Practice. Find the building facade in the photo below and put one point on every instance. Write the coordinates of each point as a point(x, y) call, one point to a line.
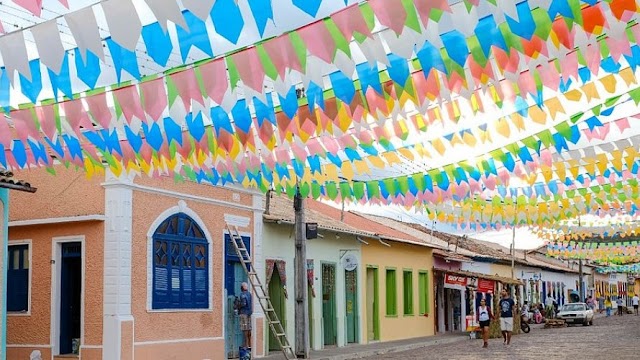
point(117, 268)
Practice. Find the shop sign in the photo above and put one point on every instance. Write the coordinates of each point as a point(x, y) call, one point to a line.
point(455, 280)
point(486, 286)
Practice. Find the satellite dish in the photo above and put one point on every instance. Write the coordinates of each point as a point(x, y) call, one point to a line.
point(350, 262)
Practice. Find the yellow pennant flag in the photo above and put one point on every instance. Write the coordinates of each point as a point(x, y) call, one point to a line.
point(609, 82)
point(617, 159)
point(628, 76)
point(361, 167)
point(603, 163)
point(376, 161)
point(347, 170)
point(438, 145)
point(537, 115)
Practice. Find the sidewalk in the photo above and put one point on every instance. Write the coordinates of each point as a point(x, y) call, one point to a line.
point(378, 348)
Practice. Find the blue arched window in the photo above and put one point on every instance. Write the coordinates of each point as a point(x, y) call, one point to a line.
point(180, 265)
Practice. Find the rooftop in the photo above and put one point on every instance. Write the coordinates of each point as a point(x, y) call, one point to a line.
point(7, 182)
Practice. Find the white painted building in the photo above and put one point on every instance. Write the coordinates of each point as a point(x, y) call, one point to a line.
point(333, 310)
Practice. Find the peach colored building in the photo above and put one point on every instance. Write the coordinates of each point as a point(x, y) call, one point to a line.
point(119, 268)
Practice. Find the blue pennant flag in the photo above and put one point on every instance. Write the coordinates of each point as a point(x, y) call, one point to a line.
point(444, 181)
point(456, 46)
point(508, 161)
point(32, 88)
point(173, 131)
point(585, 74)
point(593, 122)
point(314, 164)
point(526, 27)
point(489, 35)
point(39, 151)
point(289, 104)
point(264, 111)
point(560, 142)
point(5, 90)
point(369, 77)
point(62, 80)
point(429, 58)
point(241, 115)
point(57, 146)
point(398, 69)
point(315, 95)
point(560, 7)
point(220, 120)
point(123, 59)
point(158, 43)
point(524, 155)
point(227, 19)
point(311, 7)
point(610, 65)
point(135, 140)
point(343, 86)
point(195, 125)
point(262, 12)
point(196, 35)
point(88, 70)
point(19, 153)
point(153, 135)
point(75, 150)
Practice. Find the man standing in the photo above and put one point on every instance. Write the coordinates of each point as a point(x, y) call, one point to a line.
point(634, 301)
point(619, 302)
point(507, 306)
point(245, 309)
point(549, 302)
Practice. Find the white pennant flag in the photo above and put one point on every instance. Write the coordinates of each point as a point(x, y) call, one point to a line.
point(50, 49)
point(84, 28)
point(124, 24)
point(167, 10)
point(199, 8)
point(14, 54)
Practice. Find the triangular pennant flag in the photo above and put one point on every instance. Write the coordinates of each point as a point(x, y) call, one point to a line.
point(200, 8)
point(33, 6)
point(25, 124)
point(283, 54)
point(14, 55)
point(158, 43)
point(262, 12)
point(188, 89)
point(84, 28)
point(99, 109)
point(250, 68)
point(124, 22)
point(47, 118)
point(123, 59)
point(194, 35)
point(214, 78)
point(50, 49)
point(350, 20)
point(166, 10)
point(390, 13)
point(227, 19)
point(319, 41)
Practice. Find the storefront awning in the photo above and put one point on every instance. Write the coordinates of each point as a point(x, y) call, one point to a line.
point(504, 280)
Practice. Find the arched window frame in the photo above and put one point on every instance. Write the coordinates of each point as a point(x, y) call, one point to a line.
point(154, 302)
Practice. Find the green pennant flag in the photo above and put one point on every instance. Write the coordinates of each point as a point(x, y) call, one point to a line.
point(291, 190)
point(345, 190)
point(390, 184)
point(331, 190)
point(476, 51)
point(546, 138)
point(564, 129)
point(304, 189)
point(543, 23)
point(418, 180)
point(234, 75)
point(315, 190)
point(269, 69)
point(373, 189)
point(403, 185)
point(512, 40)
point(412, 22)
point(358, 190)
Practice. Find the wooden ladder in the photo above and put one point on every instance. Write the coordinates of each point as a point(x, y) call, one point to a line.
point(263, 297)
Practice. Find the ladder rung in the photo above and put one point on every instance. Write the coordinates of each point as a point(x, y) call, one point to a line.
point(280, 334)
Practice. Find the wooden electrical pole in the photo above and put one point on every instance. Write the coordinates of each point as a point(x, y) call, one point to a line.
point(300, 263)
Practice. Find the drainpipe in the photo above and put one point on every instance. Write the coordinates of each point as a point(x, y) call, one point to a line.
point(267, 203)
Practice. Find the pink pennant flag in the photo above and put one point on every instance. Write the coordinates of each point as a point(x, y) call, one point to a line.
point(129, 101)
point(2, 31)
point(626, 175)
point(47, 121)
point(250, 68)
point(593, 58)
point(314, 147)
point(214, 77)
point(25, 124)
point(188, 89)
point(33, 6)
point(390, 13)
point(155, 98)
point(569, 65)
point(424, 8)
point(268, 159)
point(490, 182)
point(350, 20)
point(5, 133)
point(618, 47)
point(526, 83)
point(330, 144)
point(99, 109)
point(76, 116)
point(545, 157)
point(589, 134)
point(299, 152)
point(319, 41)
point(603, 131)
point(283, 55)
point(64, 3)
point(623, 124)
point(504, 176)
point(549, 76)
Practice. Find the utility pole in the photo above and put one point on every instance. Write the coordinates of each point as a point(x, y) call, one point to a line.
point(580, 272)
point(513, 241)
point(300, 263)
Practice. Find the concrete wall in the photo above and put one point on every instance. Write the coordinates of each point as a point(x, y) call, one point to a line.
point(400, 256)
point(279, 244)
point(4, 212)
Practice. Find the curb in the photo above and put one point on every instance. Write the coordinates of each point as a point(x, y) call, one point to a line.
point(391, 350)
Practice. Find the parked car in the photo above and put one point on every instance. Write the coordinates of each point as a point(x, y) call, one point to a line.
point(576, 313)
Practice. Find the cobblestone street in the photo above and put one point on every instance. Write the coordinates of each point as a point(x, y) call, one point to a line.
point(609, 338)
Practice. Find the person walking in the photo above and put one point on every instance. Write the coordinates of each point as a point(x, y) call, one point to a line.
point(608, 305)
point(507, 308)
point(550, 310)
point(634, 301)
point(484, 318)
point(619, 302)
point(245, 309)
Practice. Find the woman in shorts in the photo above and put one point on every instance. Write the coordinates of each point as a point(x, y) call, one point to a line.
point(484, 318)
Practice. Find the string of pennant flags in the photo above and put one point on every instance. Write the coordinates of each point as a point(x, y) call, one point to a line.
point(622, 269)
point(619, 253)
point(519, 68)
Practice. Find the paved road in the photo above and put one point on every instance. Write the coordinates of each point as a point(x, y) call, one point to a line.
point(609, 338)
